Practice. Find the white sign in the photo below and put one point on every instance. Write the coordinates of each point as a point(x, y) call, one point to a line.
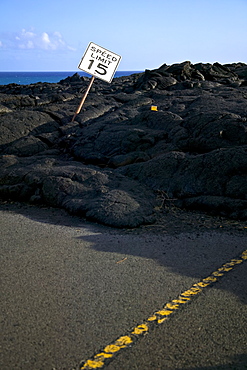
point(99, 62)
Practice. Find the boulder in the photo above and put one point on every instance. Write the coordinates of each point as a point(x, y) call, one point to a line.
point(86, 191)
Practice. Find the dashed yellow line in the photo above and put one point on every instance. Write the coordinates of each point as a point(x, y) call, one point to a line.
point(99, 360)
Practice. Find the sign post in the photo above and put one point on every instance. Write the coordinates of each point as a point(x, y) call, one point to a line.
point(100, 63)
point(83, 99)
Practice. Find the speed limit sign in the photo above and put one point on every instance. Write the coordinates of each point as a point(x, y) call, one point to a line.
point(99, 62)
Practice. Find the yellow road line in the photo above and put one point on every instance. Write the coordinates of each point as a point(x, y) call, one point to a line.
point(99, 360)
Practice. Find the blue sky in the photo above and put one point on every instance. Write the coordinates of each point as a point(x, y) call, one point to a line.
point(52, 35)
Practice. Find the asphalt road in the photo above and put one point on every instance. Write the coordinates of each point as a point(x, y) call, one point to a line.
point(70, 289)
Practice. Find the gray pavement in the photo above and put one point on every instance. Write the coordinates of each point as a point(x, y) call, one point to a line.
point(69, 288)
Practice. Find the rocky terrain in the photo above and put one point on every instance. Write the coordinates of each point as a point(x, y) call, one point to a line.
point(122, 162)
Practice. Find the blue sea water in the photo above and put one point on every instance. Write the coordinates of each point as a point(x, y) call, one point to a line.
point(26, 78)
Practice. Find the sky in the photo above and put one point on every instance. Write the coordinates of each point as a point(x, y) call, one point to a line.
point(52, 35)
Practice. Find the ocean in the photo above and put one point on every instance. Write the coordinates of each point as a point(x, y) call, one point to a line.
point(26, 78)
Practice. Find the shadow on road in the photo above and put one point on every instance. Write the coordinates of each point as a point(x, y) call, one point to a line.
point(194, 252)
point(239, 362)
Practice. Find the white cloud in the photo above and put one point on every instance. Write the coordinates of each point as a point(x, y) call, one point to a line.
point(27, 34)
point(40, 41)
point(46, 42)
point(58, 34)
point(28, 45)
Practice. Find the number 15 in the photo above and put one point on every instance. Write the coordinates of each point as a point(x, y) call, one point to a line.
point(100, 66)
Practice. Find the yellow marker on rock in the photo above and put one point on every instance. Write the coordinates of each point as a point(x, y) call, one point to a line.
point(154, 107)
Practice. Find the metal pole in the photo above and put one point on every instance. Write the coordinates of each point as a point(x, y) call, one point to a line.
point(83, 99)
